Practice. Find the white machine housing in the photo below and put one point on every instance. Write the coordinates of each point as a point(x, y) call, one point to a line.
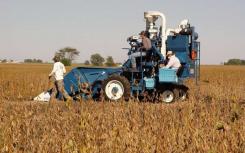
point(151, 17)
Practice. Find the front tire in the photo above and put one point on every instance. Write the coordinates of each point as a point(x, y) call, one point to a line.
point(183, 95)
point(116, 87)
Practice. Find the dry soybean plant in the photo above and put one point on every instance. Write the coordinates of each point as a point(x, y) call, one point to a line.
point(211, 120)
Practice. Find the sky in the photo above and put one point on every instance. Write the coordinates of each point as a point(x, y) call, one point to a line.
point(39, 28)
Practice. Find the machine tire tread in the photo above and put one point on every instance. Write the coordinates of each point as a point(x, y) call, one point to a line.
point(123, 80)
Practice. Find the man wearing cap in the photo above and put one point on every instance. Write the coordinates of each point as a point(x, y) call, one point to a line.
point(173, 61)
point(146, 46)
point(58, 73)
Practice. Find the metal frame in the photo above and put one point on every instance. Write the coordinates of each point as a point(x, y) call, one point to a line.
point(197, 63)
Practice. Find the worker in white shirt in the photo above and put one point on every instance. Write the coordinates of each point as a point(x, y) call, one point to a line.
point(173, 61)
point(58, 73)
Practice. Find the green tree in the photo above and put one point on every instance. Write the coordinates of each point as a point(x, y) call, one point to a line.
point(87, 62)
point(235, 62)
point(4, 61)
point(97, 59)
point(66, 61)
point(27, 60)
point(110, 61)
point(33, 61)
point(67, 55)
point(243, 62)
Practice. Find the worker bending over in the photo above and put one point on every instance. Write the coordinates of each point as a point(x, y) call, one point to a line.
point(58, 73)
point(173, 61)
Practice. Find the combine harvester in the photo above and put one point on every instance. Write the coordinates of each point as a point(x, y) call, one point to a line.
point(149, 82)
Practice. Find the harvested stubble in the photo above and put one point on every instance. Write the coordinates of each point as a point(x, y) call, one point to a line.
point(212, 120)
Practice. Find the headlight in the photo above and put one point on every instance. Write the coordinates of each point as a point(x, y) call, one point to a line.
point(133, 44)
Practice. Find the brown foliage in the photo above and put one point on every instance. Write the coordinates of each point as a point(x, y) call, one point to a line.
point(211, 120)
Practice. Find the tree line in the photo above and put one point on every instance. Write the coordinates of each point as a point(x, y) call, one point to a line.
point(68, 54)
point(98, 60)
point(5, 61)
point(33, 61)
point(235, 62)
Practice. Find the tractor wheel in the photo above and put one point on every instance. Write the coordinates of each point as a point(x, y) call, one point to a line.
point(167, 96)
point(116, 87)
point(183, 95)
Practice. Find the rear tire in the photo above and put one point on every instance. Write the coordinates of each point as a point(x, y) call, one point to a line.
point(116, 87)
point(167, 96)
